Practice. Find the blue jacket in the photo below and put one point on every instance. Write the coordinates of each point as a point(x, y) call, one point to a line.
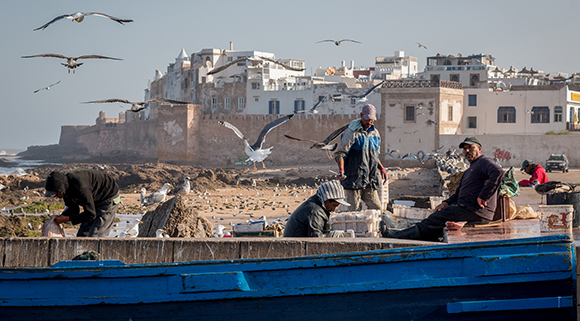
point(360, 149)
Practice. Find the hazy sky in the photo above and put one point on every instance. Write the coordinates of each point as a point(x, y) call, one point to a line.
point(532, 33)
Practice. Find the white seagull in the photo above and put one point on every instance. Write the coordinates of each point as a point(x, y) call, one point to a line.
point(255, 152)
point(71, 62)
point(337, 42)
point(255, 62)
point(325, 144)
point(313, 109)
point(363, 97)
point(80, 16)
point(159, 196)
point(185, 188)
point(420, 45)
point(47, 87)
point(136, 106)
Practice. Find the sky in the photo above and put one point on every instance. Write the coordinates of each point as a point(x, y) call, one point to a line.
point(536, 34)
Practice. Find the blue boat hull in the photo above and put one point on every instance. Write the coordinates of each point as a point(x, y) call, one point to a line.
point(530, 278)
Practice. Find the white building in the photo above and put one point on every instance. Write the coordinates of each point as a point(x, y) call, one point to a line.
point(395, 67)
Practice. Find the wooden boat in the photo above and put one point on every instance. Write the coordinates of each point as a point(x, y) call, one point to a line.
point(529, 279)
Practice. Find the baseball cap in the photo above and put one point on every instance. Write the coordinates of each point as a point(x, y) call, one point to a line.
point(332, 190)
point(55, 182)
point(525, 164)
point(369, 112)
point(470, 141)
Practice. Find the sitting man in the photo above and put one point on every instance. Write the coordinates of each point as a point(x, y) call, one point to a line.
point(473, 202)
point(95, 191)
point(311, 218)
point(537, 171)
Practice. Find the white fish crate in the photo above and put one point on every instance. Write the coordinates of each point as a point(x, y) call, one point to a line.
point(364, 223)
point(414, 213)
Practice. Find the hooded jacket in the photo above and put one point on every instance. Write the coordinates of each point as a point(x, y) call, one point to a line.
point(309, 220)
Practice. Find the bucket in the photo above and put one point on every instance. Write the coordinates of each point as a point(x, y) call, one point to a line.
point(554, 218)
point(567, 198)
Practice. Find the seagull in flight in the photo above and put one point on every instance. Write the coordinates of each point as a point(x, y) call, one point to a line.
point(255, 62)
point(71, 62)
point(255, 151)
point(80, 16)
point(136, 106)
point(412, 133)
point(363, 97)
point(47, 87)
point(313, 109)
point(421, 45)
point(325, 144)
point(337, 42)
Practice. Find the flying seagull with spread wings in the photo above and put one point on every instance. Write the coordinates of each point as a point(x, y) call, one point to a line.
point(136, 105)
point(80, 16)
point(421, 45)
point(255, 62)
point(313, 109)
point(71, 62)
point(47, 87)
point(337, 42)
point(363, 97)
point(255, 151)
point(325, 144)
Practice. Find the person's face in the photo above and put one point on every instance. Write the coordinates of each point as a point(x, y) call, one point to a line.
point(331, 205)
point(528, 170)
point(366, 124)
point(59, 194)
point(471, 152)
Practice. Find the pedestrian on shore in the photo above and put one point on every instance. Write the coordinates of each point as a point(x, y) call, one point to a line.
point(473, 202)
point(538, 173)
point(359, 167)
point(95, 191)
point(311, 218)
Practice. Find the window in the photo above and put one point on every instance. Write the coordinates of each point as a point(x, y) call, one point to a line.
point(472, 122)
point(320, 98)
point(353, 101)
point(227, 102)
point(474, 78)
point(540, 114)
point(450, 113)
point(454, 78)
point(558, 112)
point(241, 102)
point(256, 99)
point(274, 107)
point(214, 103)
point(255, 85)
point(506, 114)
point(298, 105)
point(230, 59)
point(472, 100)
point(435, 78)
point(410, 113)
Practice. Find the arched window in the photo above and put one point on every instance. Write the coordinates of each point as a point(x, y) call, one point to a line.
point(558, 113)
point(454, 78)
point(473, 79)
point(540, 114)
point(506, 114)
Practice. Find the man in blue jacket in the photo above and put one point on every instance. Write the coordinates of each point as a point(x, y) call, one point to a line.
point(474, 200)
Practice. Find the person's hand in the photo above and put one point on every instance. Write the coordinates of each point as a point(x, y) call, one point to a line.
point(453, 226)
point(61, 219)
point(481, 202)
point(384, 174)
point(340, 175)
point(440, 207)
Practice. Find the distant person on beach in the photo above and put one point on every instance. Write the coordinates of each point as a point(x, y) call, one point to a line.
point(538, 173)
point(473, 202)
point(95, 191)
point(311, 218)
point(359, 167)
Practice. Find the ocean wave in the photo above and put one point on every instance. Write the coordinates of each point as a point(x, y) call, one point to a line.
point(18, 171)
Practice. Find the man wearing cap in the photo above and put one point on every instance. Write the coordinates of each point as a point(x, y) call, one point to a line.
point(95, 191)
point(473, 202)
point(311, 218)
point(538, 173)
point(357, 156)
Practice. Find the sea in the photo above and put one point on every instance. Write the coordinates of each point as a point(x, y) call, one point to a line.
point(18, 166)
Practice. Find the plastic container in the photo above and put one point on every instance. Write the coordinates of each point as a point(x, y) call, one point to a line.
point(364, 223)
point(567, 198)
point(554, 218)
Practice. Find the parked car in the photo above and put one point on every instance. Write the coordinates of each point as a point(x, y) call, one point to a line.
point(557, 162)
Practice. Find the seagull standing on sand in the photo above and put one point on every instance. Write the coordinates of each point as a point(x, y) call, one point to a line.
point(136, 105)
point(159, 196)
point(80, 16)
point(185, 188)
point(255, 151)
point(337, 42)
point(47, 87)
point(325, 144)
point(71, 62)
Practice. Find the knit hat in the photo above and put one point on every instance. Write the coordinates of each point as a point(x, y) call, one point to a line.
point(369, 112)
point(332, 190)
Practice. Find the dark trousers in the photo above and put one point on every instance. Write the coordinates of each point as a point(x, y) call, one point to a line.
point(103, 222)
point(431, 228)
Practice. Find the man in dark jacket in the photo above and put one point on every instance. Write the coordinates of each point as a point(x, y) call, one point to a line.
point(311, 218)
point(474, 200)
point(95, 191)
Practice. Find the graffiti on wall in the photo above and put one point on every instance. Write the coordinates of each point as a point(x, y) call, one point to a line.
point(502, 155)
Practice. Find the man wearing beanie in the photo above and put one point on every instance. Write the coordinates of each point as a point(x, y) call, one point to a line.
point(311, 218)
point(95, 191)
point(359, 167)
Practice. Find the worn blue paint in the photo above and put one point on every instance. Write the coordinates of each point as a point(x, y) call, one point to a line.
point(422, 282)
point(516, 304)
